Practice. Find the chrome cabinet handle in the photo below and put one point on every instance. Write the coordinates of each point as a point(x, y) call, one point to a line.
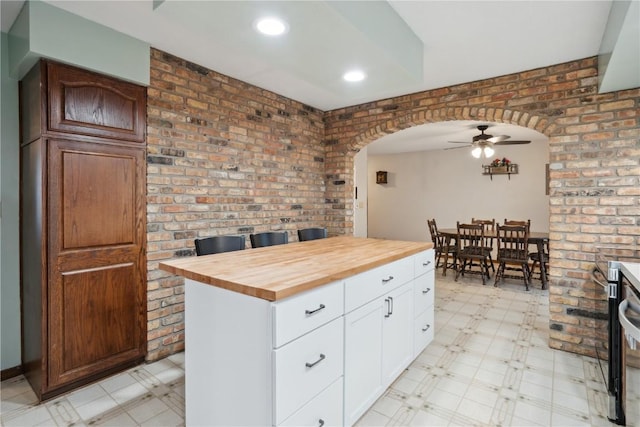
point(427, 291)
point(391, 312)
point(320, 359)
point(388, 301)
point(426, 328)
point(320, 422)
point(387, 280)
point(424, 264)
point(310, 312)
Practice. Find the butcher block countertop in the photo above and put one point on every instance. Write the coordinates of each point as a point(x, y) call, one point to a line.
point(276, 272)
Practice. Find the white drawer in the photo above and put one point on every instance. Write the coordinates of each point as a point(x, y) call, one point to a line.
point(324, 410)
point(306, 366)
point(424, 262)
point(423, 328)
point(302, 313)
point(367, 286)
point(424, 290)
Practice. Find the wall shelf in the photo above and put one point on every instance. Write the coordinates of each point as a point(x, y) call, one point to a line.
point(511, 168)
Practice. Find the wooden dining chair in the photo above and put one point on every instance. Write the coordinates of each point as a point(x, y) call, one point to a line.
point(489, 226)
point(538, 258)
point(268, 238)
point(218, 244)
point(472, 251)
point(440, 246)
point(513, 250)
point(526, 223)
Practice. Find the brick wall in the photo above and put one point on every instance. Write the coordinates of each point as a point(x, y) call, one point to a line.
point(225, 157)
point(594, 161)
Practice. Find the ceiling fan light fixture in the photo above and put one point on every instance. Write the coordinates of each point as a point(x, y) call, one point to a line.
point(488, 152)
point(482, 145)
point(484, 152)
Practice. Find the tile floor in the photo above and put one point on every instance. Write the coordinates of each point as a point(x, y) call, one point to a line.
point(147, 395)
point(489, 365)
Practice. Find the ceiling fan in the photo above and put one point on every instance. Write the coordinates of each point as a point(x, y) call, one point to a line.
point(483, 143)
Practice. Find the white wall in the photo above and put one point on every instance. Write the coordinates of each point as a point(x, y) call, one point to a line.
point(360, 204)
point(448, 185)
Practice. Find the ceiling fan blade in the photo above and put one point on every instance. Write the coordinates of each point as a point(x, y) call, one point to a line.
point(455, 148)
point(459, 142)
point(512, 142)
point(498, 138)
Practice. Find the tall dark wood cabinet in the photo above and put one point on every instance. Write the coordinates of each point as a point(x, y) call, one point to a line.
point(82, 226)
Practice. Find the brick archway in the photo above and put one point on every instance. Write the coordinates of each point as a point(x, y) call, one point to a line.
point(340, 178)
point(507, 116)
point(594, 156)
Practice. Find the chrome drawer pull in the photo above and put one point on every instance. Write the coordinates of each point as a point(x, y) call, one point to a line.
point(320, 422)
point(426, 328)
point(427, 291)
point(390, 278)
point(320, 359)
point(310, 312)
point(424, 264)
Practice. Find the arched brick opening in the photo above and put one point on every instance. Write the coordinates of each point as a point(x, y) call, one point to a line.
point(544, 125)
point(594, 157)
point(507, 116)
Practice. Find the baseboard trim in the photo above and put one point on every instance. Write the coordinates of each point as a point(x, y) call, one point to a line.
point(5, 374)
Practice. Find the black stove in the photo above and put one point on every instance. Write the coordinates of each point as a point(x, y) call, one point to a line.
point(607, 273)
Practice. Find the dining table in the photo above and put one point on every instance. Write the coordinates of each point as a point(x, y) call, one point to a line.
point(538, 238)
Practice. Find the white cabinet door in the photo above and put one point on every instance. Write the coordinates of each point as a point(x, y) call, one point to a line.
point(423, 328)
point(299, 314)
point(424, 291)
point(424, 262)
point(306, 366)
point(363, 358)
point(325, 410)
point(397, 333)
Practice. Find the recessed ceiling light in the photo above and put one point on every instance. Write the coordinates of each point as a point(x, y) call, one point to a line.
point(354, 76)
point(271, 26)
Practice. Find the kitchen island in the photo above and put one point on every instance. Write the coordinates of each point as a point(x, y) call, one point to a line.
point(307, 333)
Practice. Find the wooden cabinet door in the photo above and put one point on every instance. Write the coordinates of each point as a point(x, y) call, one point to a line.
point(97, 263)
point(86, 103)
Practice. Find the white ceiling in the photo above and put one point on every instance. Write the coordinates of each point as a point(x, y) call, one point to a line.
point(403, 46)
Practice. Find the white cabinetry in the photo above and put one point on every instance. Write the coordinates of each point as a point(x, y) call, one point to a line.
point(397, 333)
point(424, 291)
point(379, 335)
point(253, 362)
point(324, 410)
point(318, 358)
point(363, 359)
